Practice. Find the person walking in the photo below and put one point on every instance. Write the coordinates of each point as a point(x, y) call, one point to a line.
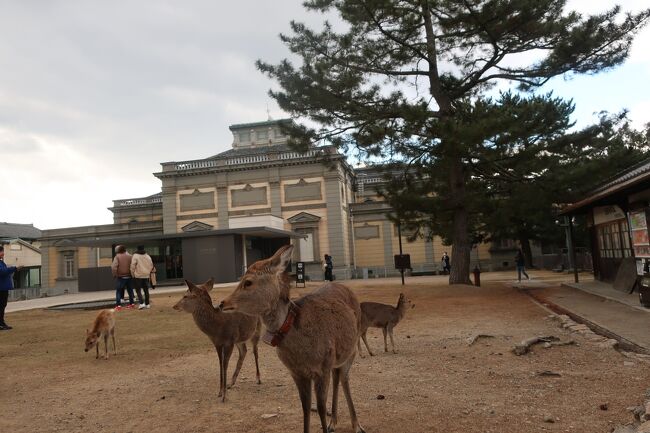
point(329, 266)
point(121, 269)
point(6, 284)
point(521, 265)
point(446, 266)
point(141, 269)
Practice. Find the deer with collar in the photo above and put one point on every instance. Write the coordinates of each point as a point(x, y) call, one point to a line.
point(315, 336)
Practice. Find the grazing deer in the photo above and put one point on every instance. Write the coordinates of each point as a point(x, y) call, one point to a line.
point(104, 324)
point(224, 330)
point(382, 316)
point(315, 336)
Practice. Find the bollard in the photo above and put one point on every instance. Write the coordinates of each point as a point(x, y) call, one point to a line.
point(477, 277)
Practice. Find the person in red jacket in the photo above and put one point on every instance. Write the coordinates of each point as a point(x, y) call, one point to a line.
point(6, 284)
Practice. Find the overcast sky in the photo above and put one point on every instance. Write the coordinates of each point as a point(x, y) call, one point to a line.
point(94, 95)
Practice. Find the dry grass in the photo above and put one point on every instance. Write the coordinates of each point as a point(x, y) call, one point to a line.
point(164, 378)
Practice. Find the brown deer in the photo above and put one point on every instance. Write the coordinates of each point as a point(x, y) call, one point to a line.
point(315, 335)
point(103, 325)
point(382, 316)
point(224, 330)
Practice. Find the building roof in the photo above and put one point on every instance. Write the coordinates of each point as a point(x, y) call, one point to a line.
point(270, 122)
point(252, 150)
point(18, 231)
point(625, 179)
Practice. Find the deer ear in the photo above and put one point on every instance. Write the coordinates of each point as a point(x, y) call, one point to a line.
point(281, 258)
point(190, 285)
point(208, 285)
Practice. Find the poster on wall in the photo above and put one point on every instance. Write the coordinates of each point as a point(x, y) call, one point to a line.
point(639, 232)
point(639, 267)
point(640, 237)
point(638, 220)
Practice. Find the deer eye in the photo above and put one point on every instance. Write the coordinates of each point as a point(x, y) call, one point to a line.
point(247, 283)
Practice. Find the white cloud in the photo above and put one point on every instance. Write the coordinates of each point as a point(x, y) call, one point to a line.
point(94, 95)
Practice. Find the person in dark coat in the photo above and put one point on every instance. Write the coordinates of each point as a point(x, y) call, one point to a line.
point(521, 265)
point(329, 265)
point(6, 284)
point(446, 265)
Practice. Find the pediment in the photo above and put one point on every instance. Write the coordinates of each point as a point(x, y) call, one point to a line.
point(63, 243)
point(196, 226)
point(303, 217)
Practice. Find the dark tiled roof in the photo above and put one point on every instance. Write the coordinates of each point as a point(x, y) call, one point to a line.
point(21, 231)
point(632, 172)
point(632, 176)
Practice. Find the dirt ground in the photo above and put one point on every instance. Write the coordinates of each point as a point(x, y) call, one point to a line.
point(165, 376)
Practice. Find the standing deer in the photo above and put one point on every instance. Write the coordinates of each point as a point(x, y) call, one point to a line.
point(382, 316)
point(224, 330)
point(103, 325)
point(315, 336)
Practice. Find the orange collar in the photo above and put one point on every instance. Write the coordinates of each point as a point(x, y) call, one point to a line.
point(274, 338)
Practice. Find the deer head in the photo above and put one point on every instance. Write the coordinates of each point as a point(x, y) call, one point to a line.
point(194, 296)
point(404, 303)
point(91, 340)
point(262, 286)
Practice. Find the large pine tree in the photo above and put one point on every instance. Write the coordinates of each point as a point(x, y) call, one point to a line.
point(406, 80)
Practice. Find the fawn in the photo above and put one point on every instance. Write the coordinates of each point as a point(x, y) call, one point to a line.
point(382, 316)
point(315, 335)
point(224, 330)
point(104, 324)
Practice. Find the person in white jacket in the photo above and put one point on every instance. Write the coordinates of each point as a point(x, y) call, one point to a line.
point(141, 269)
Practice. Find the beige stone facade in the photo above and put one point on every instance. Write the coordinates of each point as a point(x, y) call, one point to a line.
point(316, 198)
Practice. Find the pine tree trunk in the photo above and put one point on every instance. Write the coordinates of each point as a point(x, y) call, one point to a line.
point(460, 251)
point(526, 250)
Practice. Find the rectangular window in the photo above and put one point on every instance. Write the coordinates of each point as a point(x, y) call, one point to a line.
point(262, 135)
point(614, 240)
point(244, 137)
point(68, 265)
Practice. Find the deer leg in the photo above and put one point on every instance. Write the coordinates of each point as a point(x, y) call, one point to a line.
point(113, 337)
point(257, 365)
point(359, 347)
point(105, 346)
point(345, 381)
point(385, 342)
point(220, 354)
point(304, 390)
point(363, 336)
point(390, 333)
point(97, 350)
point(320, 388)
point(227, 352)
point(336, 376)
point(241, 347)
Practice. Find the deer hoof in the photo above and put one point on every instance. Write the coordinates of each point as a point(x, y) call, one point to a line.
point(331, 429)
point(395, 352)
point(371, 354)
point(360, 429)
